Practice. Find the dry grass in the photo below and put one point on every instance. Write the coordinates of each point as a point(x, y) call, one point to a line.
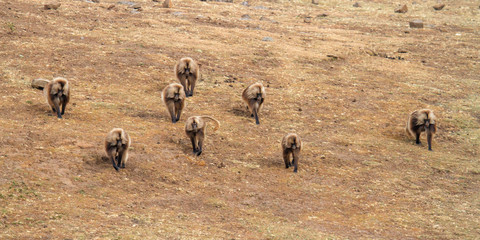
point(360, 176)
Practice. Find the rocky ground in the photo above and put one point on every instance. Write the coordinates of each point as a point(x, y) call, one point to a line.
point(344, 75)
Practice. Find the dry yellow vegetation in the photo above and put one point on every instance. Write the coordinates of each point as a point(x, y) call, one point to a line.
point(344, 78)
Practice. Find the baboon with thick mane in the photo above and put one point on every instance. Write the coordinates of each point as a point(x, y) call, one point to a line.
point(187, 72)
point(195, 128)
point(117, 143)
point(254, 95)
point(57, 93)
point(422, 121)
point(173, 96)
point(291, 145)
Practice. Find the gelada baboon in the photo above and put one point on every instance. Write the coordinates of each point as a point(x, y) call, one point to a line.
point(187, 72)
point(117, 143)
point(173, 96)
point(196, 130)
point(254, 95)
point(57, 92)
point(420, 121)
point(291, 145)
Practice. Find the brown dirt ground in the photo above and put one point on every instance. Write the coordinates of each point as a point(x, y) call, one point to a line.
point(360, 177)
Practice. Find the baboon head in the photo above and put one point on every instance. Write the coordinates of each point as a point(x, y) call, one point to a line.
point(194, 126)
point(57, 90)
point(429, 124)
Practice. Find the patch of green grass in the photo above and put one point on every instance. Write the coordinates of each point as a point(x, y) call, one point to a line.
point(19, 190)
point(10, 27)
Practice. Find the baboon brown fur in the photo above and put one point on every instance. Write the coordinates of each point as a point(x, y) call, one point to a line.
point(195, 128)
point(173, 96)
point(291, 145)
point(117, 143)
point(420, 121)
point(57, 93)
point(187, 72)
point(254, 95)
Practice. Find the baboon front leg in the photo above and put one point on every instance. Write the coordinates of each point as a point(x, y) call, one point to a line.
point(112, 154)
point(429, 140)
point(183, 81)
point(192, 86)
point(64, 105)
point(200, 137)
point(256, 116)
point(171, 110)
point(57, 108)
point(295, 160)
point(179, 111)
point(119, 158)
point(286, 158)
point(192, 138)
point(124, 157)
point(417, 136)
point(188, 86)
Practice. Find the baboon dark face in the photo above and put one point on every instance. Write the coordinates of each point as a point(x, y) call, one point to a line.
point(187, 69)
point(194, 126)
point(176, 97)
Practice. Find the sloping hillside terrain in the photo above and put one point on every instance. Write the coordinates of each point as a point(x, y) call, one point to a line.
point(344, 78)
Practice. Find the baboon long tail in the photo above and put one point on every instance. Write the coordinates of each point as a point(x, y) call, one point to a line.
point(215, 120)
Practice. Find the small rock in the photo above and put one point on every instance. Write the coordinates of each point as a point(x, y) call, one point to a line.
point(96, 1)
point(316, 2)
point(245, 17)
point(439, 7)
point(137, 6)
point(416, 24)
point(334, 57)
point(267, 39)
point(260, 7)
point(52, 6)
point(111, 7)
point(357, 4)
point(307, 19)
point(402, 9)
point(401, 50)
point(167, 4)
point(244, 3)
point(322, 15)
point(177, 13)
point(39, 83)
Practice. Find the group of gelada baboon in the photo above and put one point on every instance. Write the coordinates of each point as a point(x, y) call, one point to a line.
point(117, 142)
